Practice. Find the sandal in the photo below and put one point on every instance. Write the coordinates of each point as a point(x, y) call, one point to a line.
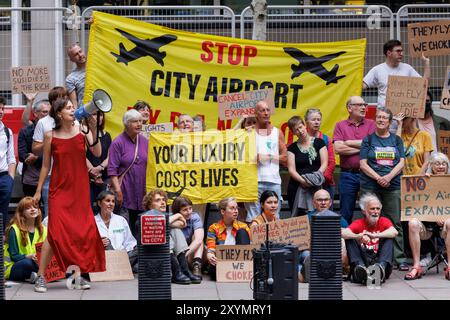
point(413, 276)
point(403, 266)
point(447, 273)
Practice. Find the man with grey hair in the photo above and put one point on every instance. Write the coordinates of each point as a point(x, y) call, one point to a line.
point(347, 139)
point(369, 241)
point(127, 167)
point(75, 80)
point(185, 123)
point(271, 152)
point(31, 162)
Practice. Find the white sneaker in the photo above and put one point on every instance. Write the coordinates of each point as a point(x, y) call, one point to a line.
point(33, 278)
point(40, 285)
point(83, 285)
point(426, 261)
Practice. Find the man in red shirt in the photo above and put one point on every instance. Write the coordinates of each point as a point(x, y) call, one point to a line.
point(369, 240)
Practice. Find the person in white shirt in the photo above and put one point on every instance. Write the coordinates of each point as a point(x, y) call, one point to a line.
point(114, 229)
point(7, 164)
point(378, 76)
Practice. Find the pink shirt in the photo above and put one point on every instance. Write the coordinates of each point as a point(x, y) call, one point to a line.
point(347, 130)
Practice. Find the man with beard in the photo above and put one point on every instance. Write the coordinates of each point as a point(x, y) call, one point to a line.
point(369, 241)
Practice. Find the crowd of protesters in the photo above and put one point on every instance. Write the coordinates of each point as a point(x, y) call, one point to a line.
point(109, 179)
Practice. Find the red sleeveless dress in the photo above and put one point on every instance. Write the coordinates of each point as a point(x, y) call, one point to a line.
point(72, 231)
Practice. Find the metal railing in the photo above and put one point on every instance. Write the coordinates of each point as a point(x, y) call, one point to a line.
point(216, 20)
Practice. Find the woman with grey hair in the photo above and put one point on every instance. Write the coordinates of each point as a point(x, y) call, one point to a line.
point(418, 230)
point(127, 167)
point(382, 158)
point(313, 119)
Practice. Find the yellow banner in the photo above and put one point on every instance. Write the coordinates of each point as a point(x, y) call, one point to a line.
point(204, 166)
point(183, 72)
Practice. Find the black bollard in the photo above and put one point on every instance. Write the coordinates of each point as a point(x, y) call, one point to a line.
point(2, 269)
point(154, 279)
point(326, 261)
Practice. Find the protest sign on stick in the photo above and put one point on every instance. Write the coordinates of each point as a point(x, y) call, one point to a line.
point(239, 104)
point(30, 79)
point(430, 38)
point(445, 97)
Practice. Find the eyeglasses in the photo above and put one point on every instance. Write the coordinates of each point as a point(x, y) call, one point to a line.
point(323, 200)
point(437, 164)
point(359, 104)
point(382, 117)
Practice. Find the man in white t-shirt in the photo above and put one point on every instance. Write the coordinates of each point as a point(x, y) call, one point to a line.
point(378, 76)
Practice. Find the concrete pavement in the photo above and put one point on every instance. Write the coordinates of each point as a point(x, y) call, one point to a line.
point(433, 286)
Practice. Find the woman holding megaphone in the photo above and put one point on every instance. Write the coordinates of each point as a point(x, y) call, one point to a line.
point(72, 233)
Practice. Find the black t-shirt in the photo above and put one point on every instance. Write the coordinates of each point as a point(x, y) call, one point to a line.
point(105, 141)
point(307, 162)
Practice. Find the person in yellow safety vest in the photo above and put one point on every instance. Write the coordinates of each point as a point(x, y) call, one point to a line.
point(22, 234)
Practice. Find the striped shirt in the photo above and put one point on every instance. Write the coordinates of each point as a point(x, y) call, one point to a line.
point(217, 233)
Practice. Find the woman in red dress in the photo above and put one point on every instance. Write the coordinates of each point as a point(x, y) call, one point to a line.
point(73, 237)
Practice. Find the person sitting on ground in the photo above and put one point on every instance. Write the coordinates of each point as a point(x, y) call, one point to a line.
point(438, 165)
point(369, 241)
point(193, 232)
point(24, 231)
point(227, 231)
point(322, 202)
point(114, 229)
point(157, 200)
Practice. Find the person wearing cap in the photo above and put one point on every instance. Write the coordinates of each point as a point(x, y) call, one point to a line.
point(369, 241)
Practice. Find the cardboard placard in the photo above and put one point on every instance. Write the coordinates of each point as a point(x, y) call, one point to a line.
point(444, 142)
point(117, 267)
point(445, 97)
point(425, 198)
point(53, 271)
point(432, 38)
point(407, 95)
point(153, 229)
point(237, 104)
point(235, 253)
point(30, 79)
point(293, 230)
point(166, 127)
point(234, 271)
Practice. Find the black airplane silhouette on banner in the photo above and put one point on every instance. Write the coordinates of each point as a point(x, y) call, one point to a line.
point(174, 195)
point(308, 63)
point(144, 47)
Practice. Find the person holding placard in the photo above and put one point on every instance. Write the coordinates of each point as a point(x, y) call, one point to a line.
point(307, 162)
point(432, 123)
point(24, 231)
point(382, 160)
point(378, 76)
point(418, 145)
point(227, 231)
point(114, 229)
point(193, 232)
point(418, 231)
point(313, 119)
point(73, 236)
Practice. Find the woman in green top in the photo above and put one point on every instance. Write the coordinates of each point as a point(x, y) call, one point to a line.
point(22, 234)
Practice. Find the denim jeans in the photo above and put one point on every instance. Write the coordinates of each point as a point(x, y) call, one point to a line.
point(22, 269)
point(254, 208)
point(45, 188)
point(348, 190)
point(6, 186)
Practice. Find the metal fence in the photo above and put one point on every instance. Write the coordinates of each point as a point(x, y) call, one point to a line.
point(31, 36)
point(216, 20)
point(423, 13)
